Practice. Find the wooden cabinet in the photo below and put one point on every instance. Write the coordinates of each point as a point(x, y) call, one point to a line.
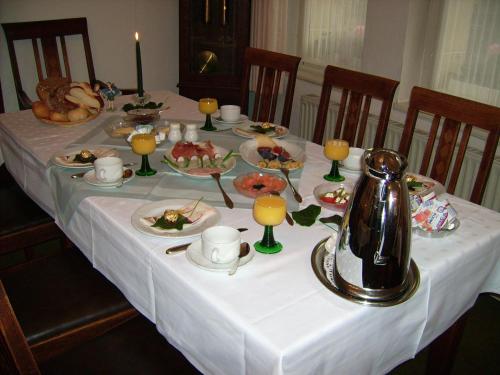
point(213, 35)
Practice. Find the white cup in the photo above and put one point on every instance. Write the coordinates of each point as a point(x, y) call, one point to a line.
point(355, 159)
point(230, 113)
point(220, 244)
point(108, 169)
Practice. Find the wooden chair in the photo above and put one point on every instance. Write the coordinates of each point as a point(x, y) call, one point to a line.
point(134, 347)
point(23, 224)
point(271, 66)
point(61, 301)
point(453, 111)
point(49, 33)
point(358, 89)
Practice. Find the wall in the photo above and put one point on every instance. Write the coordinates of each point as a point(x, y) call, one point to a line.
point(112, 24)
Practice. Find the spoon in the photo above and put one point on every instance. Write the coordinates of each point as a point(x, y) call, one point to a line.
point(229, 203)
point(244, 250)
point(296, 194)
point(288, 218)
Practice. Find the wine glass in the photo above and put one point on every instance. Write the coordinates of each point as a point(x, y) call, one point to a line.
point(144, 144)
point(208, 106)
point(335, 150)
point(269, 210)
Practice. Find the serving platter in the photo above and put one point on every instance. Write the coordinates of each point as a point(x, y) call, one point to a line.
point(65, 158)
point(209, 218)
point(248, 152)
point(192, 171)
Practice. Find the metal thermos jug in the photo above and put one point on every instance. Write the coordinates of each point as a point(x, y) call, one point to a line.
point(372, 255)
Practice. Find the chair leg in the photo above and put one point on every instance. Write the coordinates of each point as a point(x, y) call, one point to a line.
point(443, 349)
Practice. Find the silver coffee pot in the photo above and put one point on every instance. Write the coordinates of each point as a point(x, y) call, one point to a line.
point(372, 255)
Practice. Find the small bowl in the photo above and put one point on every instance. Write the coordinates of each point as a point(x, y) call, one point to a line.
point(438, 234)
point(143, 116)
point(245, 184)
point(322, 189)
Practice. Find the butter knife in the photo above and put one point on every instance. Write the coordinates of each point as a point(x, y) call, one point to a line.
point(178, 248)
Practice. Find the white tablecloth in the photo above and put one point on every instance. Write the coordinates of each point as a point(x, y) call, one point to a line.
point(273, 316)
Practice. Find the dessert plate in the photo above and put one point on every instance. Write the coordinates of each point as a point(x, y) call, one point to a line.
point(66, 158)
point(196, 257)
point(246, 131)
point(248, 151)
point(210, 217)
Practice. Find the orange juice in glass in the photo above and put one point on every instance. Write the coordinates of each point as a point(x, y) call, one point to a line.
point(269, 210)
point(208, 106)
point(144, 144)
point(335, 150)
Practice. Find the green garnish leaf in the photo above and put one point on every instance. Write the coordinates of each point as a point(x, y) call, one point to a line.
point(149, 105)
point(307, 216)
point(335, 219)
point(413, 185)
point(165, 224)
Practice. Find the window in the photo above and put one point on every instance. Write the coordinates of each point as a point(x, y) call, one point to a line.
point(467, 61)
point(333, 32)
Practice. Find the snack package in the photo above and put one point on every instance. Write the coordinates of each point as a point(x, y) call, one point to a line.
point(431, 214)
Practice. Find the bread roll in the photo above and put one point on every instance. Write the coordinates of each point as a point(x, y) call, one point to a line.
point(86, 87)
point(78, 114)
point(78, 95)
point(58, 116)
point(40, 110)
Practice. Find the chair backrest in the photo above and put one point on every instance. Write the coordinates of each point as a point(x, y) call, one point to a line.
point(271, 66)
point(2, 109)
point(358, 89)
point(51, 35)
point(451, 112)
point(15, 354)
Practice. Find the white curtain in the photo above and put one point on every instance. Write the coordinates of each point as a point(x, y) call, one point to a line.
point(269, 25)
point(467, 61)
point(333, 32)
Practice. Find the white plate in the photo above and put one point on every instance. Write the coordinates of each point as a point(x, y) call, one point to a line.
point(246, 131)
point(432, 185)
point(248, 151)
point(217, 119)
point(196, 257)
point(65, 158)
point(209, 219)
point(230, 164)
point(91, 179)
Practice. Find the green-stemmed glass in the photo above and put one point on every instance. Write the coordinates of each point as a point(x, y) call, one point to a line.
point(269, 210)
point(335, 150)
point(144, 144)
point(208, 106)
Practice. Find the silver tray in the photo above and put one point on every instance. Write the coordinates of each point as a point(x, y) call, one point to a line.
point(317, 259)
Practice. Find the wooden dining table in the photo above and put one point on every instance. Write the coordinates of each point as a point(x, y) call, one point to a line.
point(273, 316)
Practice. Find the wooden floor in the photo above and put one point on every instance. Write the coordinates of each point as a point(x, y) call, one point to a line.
point(479, 350)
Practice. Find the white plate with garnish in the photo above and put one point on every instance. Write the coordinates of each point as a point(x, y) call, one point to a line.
point(90, 178)
point(252, 129)
point(199, 159)
point(67, 158)
point(249, 153)
point(203, 216)
point(423, 185)
point(196, 257)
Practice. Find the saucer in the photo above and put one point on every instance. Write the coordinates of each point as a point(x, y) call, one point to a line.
point(219, 120)
point(91, 179)
point(196, 257)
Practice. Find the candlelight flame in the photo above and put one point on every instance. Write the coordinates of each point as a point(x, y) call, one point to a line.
point(136, 35)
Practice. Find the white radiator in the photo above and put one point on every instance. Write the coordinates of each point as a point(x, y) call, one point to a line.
point(309, 108)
